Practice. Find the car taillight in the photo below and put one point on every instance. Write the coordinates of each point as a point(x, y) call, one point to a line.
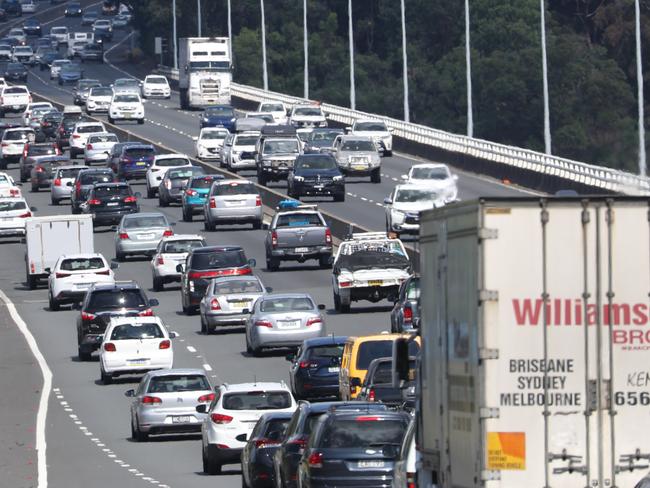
point(106, 272)
point(151, 400)
point(25, 215)
point(5, 144)
point(124, 235)
point(62, 275)
point(299, 441)
point(168, 233)
point(367, 418)
point(94, 201)
point(274, 239)
point(14, 192)
point(213, 203)
point(78, 187)
point(25, 151)
point(76, 136)
point(166, 344)
point(263, 323)
point(89, 147)
point(109, 347)
point(168, 184)
point(410, 480)
point(214, 304)
point(314, 320)
point(345, 284)
point(408, 314)
point(371, 395)
point(190, 193)
point(315, 460)
point(160, 260)
point(57, 182)
point(328, 236)
point(258, 201)
point(146, 313)
point(242, 271)
point(130, 200)
point(206, 398)
point(219, 418)
point(87, 316)
point(40, 169)
point(307, 364)
point(266, 443)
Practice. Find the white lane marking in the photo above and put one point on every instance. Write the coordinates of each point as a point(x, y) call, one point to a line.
point(207, 367)
point(191, 349)
point(41, 416)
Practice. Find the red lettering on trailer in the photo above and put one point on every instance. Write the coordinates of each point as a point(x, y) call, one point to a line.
point(572, 312)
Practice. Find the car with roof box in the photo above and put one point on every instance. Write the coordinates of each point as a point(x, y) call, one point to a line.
point(140, 234)
point(109, 202)
point(232, 201)
point(172, 251)
point(84, 182)
point(195, 194)
point(63, 181)
point(174, 183)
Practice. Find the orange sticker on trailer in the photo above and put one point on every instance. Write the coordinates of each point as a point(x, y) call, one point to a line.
point(506, 451)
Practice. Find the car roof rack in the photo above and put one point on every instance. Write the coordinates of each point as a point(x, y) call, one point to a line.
point(368, 236)
point(292, 205)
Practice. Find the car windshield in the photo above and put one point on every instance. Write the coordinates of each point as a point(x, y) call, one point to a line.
point(299, 220)
point(84, 84)
point(363, 432)
point(280, 147)
point(166, 162)
point(205, 182)
point(234, 189)
point(185, 173)
point(321, 162)
point(219, 112)
point(369, 350)
point(101, 92)
point(23, 50)
point(156, 80)
point(90, 178)
point(178, 382)
point(15, 67)
point(126, 98)
point(59, 30)
point(357, 145)
point(87, 129)
point(308, 111)
point(370, 126)
point(245, 140)
point(325, 352)
point(113, 299)
point(182, 245)
point(18, 135)
point(237, 286)
point(112, 191)
point(126, 332)
point(320, 136)
point(214, 134)
point(81, 264)
point(140, 222)
point(257, 400)
point(72, 68)
point(286, 304)
point(415, 195)
point(16, 90)
point(103, 138)
point(126, 82)
point(424, 173)
point(139, 152)
point(8, 205)
point(271, 107)
point(218, 259)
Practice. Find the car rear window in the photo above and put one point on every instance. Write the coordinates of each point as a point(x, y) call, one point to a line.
point(180, 246)
point(115, 299)
point(292, 304)
point(110, 191)
point(246, 140)
point(137, 331)
point(218, 259)
point(41, 150)
point(101, 92)
point(106, 138)
point(257, 400)
point(182, 174)
point(126, 98)
point(15, 91)
point(178, 382)
point(234, 189)
point(413, 290)
point(68, 172)
point(299, 220)
point(370, 350)
point(150, 221)
point(325, 352)
point(202, 182)
point(164, 163)
point(8, 205)
point(86, 129)
point(89, 179)
point(139, 152)
point(237, 286)
point(18, 135)
point(384, 372)
point(275, 429)
point(80, 264)
point(363, 431)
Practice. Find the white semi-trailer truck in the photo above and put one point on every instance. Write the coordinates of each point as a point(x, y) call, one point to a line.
point(535, 365)
point(204, 71)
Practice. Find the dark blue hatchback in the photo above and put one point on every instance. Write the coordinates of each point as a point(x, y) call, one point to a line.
point(134, 161)
point(219, 116)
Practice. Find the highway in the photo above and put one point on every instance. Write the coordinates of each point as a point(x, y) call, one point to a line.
point(88, 431)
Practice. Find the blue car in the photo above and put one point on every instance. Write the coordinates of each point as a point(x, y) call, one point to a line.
point(70, 73)
point(219, 116)
point(314, 370)
point(134, 161)
point(195, 194)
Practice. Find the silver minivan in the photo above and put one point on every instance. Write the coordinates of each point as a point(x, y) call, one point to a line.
point(233, 201)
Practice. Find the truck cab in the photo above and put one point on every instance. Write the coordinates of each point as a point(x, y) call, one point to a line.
point(205, 71)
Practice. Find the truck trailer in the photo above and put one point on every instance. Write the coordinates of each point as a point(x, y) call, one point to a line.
point(535, 363)
point(204, 71)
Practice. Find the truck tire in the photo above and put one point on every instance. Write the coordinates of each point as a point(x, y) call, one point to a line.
point(31, 282)
point(375, 175)
point(339, 197)
point(185, 102)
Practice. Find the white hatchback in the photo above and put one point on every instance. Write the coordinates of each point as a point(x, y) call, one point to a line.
point(13, 144)
point(74, 274)
point(209, 143)
point(160, 165)
point(99, 146)
point(79, 136)
point(126, 106)
point(156, 86)
point(13, 212)
point(135, 345)
point(172, 251)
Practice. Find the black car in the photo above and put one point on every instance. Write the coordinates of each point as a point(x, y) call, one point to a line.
point(204, 263)
point(15, 72)
point(49, 124)
point(32, 27)
point(316, 175)
point(65, 128)
point(257, 456)
point(405, 316)
point(109, 202)
point(92, 52)
point(378, 385)
point(31, 151)
point(84, 182)
point(103, 301)
point(73, 10)
point(314, 370)
point(353, 449)
point(43, 171)
point(287, 456)
point(131, 160)
point(12, 7)
point(322, 140)
point(174, 183)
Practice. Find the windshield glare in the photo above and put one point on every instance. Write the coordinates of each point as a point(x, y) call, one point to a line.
point(430, 173)
point(237, 286)
point(257, 400)
point(126, 332)
point(413, 196)
point(126, 98)
point(182, 246)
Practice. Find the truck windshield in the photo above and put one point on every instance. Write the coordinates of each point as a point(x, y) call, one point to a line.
point(280, 147)
point(210, 65)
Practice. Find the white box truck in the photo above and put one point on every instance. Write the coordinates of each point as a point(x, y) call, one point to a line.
point(204, 71)
point(535, 370)
point(47, 238)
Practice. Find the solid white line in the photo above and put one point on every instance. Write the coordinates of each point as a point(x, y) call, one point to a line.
point(41, 445)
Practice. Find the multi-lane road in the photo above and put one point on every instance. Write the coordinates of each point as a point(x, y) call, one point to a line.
point(88, 435)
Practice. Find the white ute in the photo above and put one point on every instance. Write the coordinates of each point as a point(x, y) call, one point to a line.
point(382, 135)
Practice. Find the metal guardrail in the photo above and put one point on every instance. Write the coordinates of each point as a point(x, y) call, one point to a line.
point(603, 178)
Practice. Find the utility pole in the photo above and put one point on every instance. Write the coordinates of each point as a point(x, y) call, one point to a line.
point(547, 116)
point(468, 70)
point(407, 111)
point(306, 49)
point(639, 84)
point(198, 15)
point(230, 31)
point(174, 34)
point(264, 70)
point(353, 96)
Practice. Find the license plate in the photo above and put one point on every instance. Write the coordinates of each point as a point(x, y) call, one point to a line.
point(82, 285)
point(359, 167)
point(181, 419)
point(371, 464)
point(136, 362)
point(238, 304)
point(112, 204)
point(127, 116)
point(289, 324)
point(141, 163)
point(333, 369)
point(145, 237)
point(302, 249)
point(375, 283)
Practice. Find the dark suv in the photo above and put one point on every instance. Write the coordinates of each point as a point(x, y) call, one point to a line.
point(352, 448)
point(84, 182)
point(204, 263)
point(316, 175)
point(109, 202)
point(132, 160)
point(103, 301)
point(65, 129)
point(405, 316)
point(30, 153)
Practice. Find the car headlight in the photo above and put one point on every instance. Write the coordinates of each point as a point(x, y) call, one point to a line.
point(397, 216)
point(298, 178)
point(338, 178)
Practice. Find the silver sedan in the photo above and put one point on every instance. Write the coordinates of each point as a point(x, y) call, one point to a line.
point(166, 401)
point(226, 298)
point(283, 320)
point(140, 233)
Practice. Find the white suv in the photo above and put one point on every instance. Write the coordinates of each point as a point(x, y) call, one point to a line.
point(160, 165)
point(376, 129)
point(79, 136)
point(60, 33)
point(156, 86)
point(307, 116)
point(126, 106)
point(13, 144)
point(99, 99)
point(232, 417)
point(172, 251)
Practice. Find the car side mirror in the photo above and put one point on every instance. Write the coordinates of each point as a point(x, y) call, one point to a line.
point(195, 138)
point(153, 302)
point(321, 306)
point(129, 393)
point(115, 265)
point(387, 201)
point(269, 289)
point(355, 382)
point(252, 262)
point(290, 357)
point(33, 209)
point(203, 408)
point(48, 270)
point(137, 194)
point(179, 268)
point(173, 335)
point(246, 311)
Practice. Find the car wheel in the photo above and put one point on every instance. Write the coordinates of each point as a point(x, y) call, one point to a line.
point(345, 308)
point(208, 225)
point(388, 154)
point(111, 120)
point(106, 378)
point(119, 256)
point(150, 192)
point(54, 305)
point(162, 202)
point(325, 262)
point(55, 201)
point(375, 176)
point(187, 215)
point(138, 435)
point(35, 188)
point(3, 161)
point(272, 264)
point(157, 283)
point(83, 355)
point(210, 466)
point(261, 178)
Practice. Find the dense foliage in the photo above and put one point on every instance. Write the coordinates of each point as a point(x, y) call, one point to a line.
point(591, 55)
